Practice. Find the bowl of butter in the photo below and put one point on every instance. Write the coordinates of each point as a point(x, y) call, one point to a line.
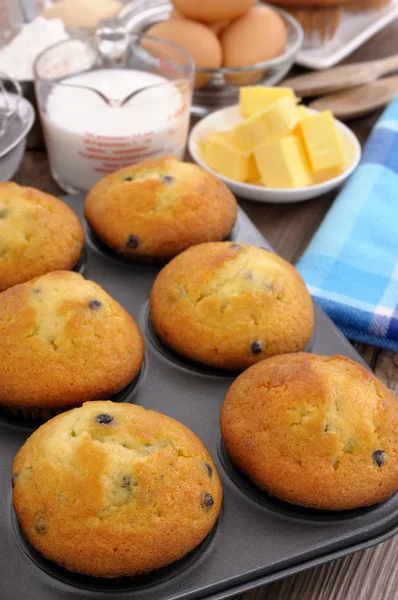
point(270, 148)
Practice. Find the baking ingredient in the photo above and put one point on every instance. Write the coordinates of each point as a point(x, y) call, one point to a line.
point(282, 163)
point(224, 154)
point(322, 141)
point(219, 26)
point(327, 174)
point(209, 11)
point(282, 145)
point(303, 112)
point(82, 13)
point(259, 35)
point(254, 99)
point(17, 58)
point(87, 138)
point(197, 39)
point(277, 120)
point(174, 14)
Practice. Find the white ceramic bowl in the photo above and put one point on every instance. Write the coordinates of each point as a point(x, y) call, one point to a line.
point(227, 118)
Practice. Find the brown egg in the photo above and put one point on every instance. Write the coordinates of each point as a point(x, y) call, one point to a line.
point(175, 14)
point(257, 36)
point(197, 39)
point(209, 11)
point(219, 26)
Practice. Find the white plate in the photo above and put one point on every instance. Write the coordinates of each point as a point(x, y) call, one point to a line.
point(227, 118)
point(354, 30)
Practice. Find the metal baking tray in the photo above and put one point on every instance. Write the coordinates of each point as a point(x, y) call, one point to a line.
point(257, 539)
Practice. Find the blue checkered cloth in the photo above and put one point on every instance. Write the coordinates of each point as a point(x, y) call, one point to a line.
point(351, 264)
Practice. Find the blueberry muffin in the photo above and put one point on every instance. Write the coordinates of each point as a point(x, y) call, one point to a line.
point(114, 490)
point(38, 234)
point(64, 341)
point(155, 209)
point(230, 305)
point(316, 431)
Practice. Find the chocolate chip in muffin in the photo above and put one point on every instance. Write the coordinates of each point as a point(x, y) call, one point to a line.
point(103, 419)
point(209, 469)
point(14, 479)
point(36, 290)
point(167, 179)
point(40, 523)
point(3, 213)
point(207, 501)
point(127, 482)
point(132, 241)
point(257, 347)
point(379, 457)
point(236, 246)
point(94, 304)
point(129, 178)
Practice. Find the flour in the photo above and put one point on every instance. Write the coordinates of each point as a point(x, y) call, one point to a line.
point(18, 57)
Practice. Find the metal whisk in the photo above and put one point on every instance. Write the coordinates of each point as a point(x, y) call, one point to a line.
point(9, 109)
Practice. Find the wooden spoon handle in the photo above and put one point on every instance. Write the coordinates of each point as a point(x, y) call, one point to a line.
point(359, 101)
point(342, 77)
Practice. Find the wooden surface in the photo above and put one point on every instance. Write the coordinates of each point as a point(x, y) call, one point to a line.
point(368, 575)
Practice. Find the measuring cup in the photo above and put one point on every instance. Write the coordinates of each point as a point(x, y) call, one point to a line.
point(110, 100)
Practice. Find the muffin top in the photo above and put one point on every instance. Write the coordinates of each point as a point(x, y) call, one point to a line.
point(38, 234)
point(312, 430)
point(231, 305)
point(113, 489)
point(157, 208)
point(64, 340)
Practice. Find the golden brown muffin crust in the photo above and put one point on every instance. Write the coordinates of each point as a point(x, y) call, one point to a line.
point(113, 489)
point(313, 430)
point(230, 305)
point(38, 234)
point(157, 208)
point(64, 340)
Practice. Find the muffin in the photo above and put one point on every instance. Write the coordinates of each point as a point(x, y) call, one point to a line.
point(114, 490)
point(38, 234)
point(316, 431)
point(157, 208)
point(230, 305)
point(64, 341)
point(318, 18)
point(362, 5)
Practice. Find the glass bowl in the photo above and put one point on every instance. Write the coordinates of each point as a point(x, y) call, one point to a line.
point(222, 85)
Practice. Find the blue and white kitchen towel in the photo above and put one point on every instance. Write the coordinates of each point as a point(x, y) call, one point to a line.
point(351, 264)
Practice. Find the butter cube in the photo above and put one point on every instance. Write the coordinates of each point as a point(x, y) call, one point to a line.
point(254, 99)
point(322, 141)
point(224, 154)
point(327, 174)
point(283, 163)
point(303, 112)
point(271, 123)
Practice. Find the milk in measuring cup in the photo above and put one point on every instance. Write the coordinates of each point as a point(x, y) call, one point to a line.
point(88, 139)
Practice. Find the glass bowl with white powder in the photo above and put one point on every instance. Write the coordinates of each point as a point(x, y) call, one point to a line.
point(20, 44)
point(109, 100)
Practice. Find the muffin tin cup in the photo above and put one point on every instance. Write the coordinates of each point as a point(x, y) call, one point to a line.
point(34, 417)
point(257, 538)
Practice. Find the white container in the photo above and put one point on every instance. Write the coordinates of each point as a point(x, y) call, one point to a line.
point(227, 118)
point(89, 130)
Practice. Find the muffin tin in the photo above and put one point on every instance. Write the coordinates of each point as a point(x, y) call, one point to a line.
point(257, 539)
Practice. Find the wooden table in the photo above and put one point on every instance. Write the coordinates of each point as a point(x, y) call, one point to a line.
point(371, 574)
